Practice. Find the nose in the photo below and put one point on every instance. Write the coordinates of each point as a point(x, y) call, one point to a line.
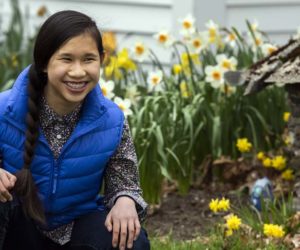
point(76, 70)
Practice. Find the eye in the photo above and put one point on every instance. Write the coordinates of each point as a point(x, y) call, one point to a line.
point(89, 59)
point(66, 59)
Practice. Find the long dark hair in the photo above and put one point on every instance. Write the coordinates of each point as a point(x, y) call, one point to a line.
point(57, 29)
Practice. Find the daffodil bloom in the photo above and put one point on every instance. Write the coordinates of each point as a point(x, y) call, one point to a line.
point(213, 205)
point(274, 231)
point(124, 105)
point(154, 79)
point(227, 89)
point(164, 38)
point(214, 75)
point(123, 60)
point(268, 49)
point(233, 222)
point(290, 138)
point(260, 155)
point(177, 69)
point(243, 145)
point(133, 94)
point(228, 232)
point(226, 63)
point(224, 204)
point(112, 70)
point(184, 90)
point(286, 116)
point(267, 162)
point(213, 31)
point(107, 88)
point(140, 52)
point(197, 43)
point(231, 39)
point(288, 175)
point(254, 26)
point(279, 162)
point(187, 25)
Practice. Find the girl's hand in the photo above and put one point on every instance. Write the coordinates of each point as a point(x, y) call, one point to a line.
point(7, 182)
point(123, 221)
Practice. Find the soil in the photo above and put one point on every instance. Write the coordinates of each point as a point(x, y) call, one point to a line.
point(184, 216)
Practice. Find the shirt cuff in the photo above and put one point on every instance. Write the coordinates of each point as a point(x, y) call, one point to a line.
point(140, 204)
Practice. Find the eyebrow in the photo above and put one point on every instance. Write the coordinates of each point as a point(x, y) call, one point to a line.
point(85, 55)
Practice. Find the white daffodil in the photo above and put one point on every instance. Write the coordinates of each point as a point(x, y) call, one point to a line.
point(214, 75)
point(231, 39)
point(154, 79)
point(254, 25)
point(133, 94)
point(268, 49)
point(213, 30)
point(226, 63)
point(297, 36)
point(197, 43)
point(124, 105)
point(107, 88)
point(257, 42)
point(187, 25)
point(140, 52)
point(164, 38)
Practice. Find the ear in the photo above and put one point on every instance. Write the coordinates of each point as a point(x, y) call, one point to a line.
point(102, 57)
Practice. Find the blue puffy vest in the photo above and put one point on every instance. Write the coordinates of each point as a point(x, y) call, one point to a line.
point(68, 186)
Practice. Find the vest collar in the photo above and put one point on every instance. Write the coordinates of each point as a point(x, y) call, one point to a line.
point(17, 107)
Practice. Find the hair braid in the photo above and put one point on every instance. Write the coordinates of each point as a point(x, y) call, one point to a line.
point(25, 187)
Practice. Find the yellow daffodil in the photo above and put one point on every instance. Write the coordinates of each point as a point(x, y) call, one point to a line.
point(279, 162)
point(286, 116)
point(123, 60)
point(185, 93)
point(109, 42)
point(224, 204)
point(267, 162)
point(233, 222)
point(228, 232)
point(243, 145)
point(274, 231)
point(260, 155)
point(288, 175)
point(42, 11)
point(213, 205)
point(177, 69)
point(214, 75)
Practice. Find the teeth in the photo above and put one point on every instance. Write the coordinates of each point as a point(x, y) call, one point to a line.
point(77, 85)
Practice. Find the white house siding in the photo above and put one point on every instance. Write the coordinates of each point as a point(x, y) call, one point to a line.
point(138, 20)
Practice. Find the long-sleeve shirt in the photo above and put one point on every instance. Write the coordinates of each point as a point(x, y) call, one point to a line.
point(121, 176)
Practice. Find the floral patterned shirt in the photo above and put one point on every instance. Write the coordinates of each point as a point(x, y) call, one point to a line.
point(121, 176)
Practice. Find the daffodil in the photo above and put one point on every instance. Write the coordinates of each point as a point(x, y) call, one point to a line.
point(197, 43)
point(233, 222)
point(164, 38)
point(213, 205)
point(254, 25)
point(268, 49)
point(227, 63)
point(288, 175)
point(140, 52)
point(214, 75)
point(187, 25)
point(185, 93)
point(286, 116)
point(228, 232)
point(112, 70)
point(132, 94)
point(260, 155)
point(243, 145)
point(213, 31)
point(123, 60)
point(107, 88)
point(279, 162)
point(154, 80)
point(177, 69)
point(267, 162)
point(227, 89)
point(231, 39)
point(124, 105)
point(274, 231)
point(224, 204)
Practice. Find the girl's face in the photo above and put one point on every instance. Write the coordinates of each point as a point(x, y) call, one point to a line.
point(73, 71)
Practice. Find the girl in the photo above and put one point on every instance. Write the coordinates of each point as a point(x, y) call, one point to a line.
point(59, 139)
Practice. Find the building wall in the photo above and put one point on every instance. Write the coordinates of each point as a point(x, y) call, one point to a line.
point(135, 20)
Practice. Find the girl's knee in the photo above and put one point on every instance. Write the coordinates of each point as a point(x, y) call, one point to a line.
point(142, 242)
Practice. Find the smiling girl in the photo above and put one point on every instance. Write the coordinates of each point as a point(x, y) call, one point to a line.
point(60, 139)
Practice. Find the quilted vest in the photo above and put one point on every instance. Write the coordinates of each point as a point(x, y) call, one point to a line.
point(68, 186)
